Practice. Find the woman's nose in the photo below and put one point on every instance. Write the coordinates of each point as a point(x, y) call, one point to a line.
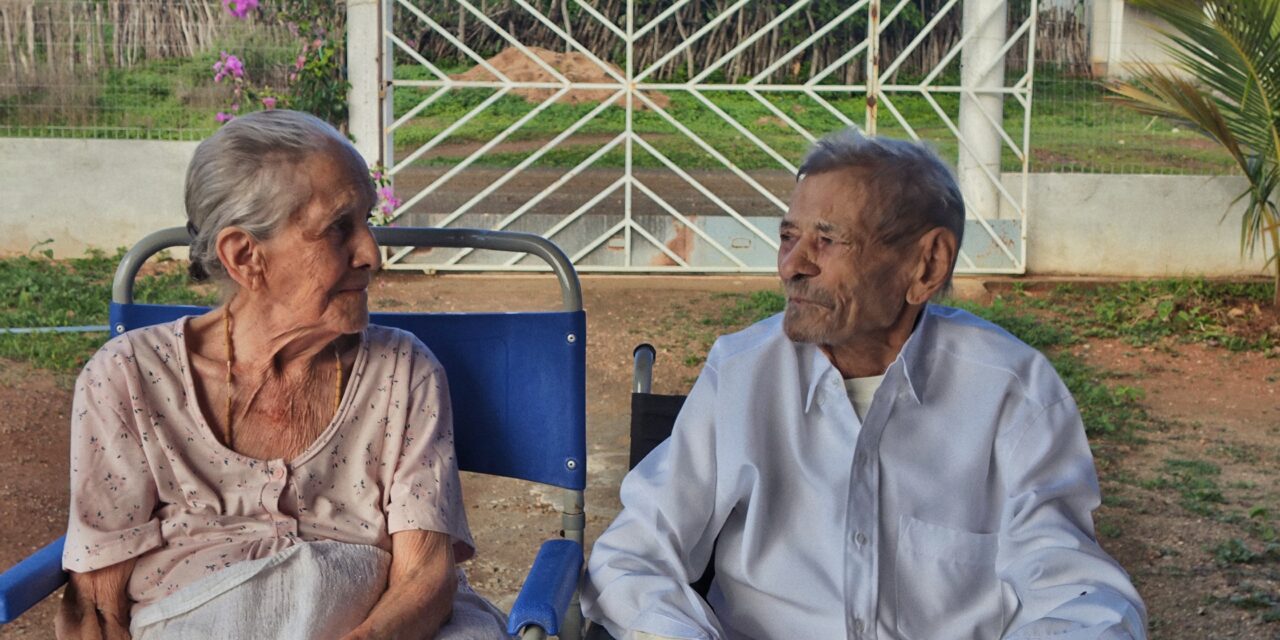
point(366, 254)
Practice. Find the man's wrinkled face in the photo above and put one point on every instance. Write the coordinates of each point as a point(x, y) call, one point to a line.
point(841, 283)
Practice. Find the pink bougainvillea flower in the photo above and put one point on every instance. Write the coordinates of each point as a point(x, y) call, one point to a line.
point(229, 65)
point(239, 8)
point(389, 200)
point(298, 64)
point(269, 102)
point(223, 117)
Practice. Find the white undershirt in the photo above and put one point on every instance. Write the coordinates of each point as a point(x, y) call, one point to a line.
point(861, 391)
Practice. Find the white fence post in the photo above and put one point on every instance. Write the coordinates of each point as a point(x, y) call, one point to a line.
point(364, 72)
point(981, 104)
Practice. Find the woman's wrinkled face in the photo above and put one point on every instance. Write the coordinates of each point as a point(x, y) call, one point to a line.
point(317, 268)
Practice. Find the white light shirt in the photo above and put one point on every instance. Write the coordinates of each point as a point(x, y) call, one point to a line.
point(959, 508)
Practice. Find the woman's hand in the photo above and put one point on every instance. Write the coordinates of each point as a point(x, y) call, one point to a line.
point(419, 595)
point(95, 605)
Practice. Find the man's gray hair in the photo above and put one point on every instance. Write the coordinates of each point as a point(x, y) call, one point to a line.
point(910, 187)
point(245, 175)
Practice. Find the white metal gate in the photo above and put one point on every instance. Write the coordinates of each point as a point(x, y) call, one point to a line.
point(649, 175)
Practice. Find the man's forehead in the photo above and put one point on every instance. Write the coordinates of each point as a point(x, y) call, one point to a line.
point(834, 199)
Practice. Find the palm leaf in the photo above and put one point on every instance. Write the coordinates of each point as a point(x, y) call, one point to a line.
point(1232, 50)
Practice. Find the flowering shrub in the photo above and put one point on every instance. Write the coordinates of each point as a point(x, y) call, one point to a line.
point(387, 200)
point(317, 80)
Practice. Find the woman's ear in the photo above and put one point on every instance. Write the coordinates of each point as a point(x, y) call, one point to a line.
point(241, 256)
point(937, 253)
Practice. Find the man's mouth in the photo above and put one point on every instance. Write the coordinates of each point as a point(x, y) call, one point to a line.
point(809, 300)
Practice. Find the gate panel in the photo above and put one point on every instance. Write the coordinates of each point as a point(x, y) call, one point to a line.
point(669, 142)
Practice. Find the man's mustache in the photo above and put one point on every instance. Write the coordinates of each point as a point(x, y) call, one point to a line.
point(805, 293)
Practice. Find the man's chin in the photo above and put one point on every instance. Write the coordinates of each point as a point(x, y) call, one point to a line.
point(800, 329)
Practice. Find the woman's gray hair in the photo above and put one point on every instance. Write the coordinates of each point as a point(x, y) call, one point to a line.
point(245, 176)
point(911, 189)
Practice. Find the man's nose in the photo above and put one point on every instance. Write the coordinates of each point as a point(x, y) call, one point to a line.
point(796, 261)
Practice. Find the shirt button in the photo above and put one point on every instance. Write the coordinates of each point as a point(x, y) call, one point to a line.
point(859, 625)
point(278, 474)
point(861, 538)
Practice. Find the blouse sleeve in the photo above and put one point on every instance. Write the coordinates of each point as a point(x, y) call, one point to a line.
point(113, 495)
point(426, 492)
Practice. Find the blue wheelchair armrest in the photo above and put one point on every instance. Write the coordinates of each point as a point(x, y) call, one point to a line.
point(31, 580)
point(546, 593)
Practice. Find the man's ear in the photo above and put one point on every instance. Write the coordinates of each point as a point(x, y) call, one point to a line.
point(937, 253)
point(241, 256)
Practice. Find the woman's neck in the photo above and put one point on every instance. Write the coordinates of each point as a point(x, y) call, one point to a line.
point(268, 342)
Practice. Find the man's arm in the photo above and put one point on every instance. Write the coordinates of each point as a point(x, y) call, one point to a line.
point(419, 595)
point(1067, 586)
point(640, 568)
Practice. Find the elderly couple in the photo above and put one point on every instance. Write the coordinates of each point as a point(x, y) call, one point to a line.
point(864, 465)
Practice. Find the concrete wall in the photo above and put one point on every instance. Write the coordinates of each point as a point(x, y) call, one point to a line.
point(107, 194)
point(1135, 225)
point(1121, 35)
point(88, 193)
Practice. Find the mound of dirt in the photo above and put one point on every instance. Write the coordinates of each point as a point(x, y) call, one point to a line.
point(576, 67)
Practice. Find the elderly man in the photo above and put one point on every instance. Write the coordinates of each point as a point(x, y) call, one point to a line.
point(867, 465)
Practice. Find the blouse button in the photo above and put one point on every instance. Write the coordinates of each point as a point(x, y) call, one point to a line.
point(278, 474)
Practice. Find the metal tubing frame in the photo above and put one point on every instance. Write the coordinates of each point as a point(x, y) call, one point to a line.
point(523, 243)
point(633, 83)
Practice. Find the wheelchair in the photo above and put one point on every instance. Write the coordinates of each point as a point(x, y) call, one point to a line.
point(518, 390)
point(653, 416)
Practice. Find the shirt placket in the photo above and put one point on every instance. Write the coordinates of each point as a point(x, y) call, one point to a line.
point(277, 479)
point(861, 539)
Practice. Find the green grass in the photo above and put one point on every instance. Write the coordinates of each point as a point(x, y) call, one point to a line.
point(163, 99)
point(1196, 483)
point(36, 291)
point(1150, 311)
point(1073, 127)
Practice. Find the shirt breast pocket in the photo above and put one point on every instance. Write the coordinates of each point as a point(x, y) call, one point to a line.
point(946, 583)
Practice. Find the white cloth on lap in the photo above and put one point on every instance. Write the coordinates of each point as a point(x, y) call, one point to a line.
point(311, 590)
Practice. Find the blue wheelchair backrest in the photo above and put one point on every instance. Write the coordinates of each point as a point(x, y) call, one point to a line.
point(515, 383)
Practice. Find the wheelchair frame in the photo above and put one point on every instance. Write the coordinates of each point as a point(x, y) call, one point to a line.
point(548, 601)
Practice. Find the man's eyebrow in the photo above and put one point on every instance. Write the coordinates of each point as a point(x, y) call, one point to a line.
point(786, 224)
point(826, 227)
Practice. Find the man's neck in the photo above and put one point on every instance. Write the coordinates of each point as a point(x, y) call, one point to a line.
point(870, 354)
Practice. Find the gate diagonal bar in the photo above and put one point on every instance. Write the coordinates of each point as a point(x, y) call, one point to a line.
point(638, 151)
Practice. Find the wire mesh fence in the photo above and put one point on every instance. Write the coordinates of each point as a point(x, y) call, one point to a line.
point(1075, 129)
point(125, 68)
point(145, 68)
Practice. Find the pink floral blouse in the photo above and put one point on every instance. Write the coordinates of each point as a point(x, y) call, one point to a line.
point(150, 481)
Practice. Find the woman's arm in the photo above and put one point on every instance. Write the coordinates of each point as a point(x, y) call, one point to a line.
point(95, 605)
point(419, 595)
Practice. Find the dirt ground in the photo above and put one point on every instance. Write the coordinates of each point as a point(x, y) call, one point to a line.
point(1206, 404)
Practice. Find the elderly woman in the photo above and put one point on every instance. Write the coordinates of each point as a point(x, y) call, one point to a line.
point(277, 467)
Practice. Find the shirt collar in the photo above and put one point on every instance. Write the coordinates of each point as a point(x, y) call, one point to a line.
point(913, 359)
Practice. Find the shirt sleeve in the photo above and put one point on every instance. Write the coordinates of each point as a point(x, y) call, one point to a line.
point(640, 568)
point(113, 493)
point(1068, 588)
point(426, 492)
